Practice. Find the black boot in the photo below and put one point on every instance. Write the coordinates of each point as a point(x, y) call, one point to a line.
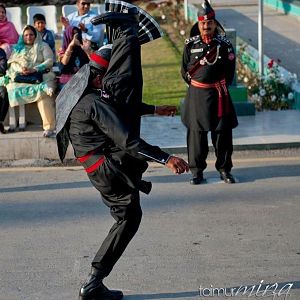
point(94, 289)
point(226, 177)
point(198, 179)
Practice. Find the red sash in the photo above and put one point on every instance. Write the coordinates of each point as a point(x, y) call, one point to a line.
point(223, 102)
point(92, 160)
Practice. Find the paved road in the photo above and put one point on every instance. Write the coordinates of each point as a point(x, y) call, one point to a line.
point(281, 32)
point(222, 235)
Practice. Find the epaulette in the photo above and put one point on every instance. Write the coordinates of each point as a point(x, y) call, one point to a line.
point(192, 39)
point(221, 38)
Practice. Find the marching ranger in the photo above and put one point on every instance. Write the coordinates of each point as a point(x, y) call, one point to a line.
point(208, 67)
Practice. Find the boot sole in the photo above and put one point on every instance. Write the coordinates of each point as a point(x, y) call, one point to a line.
point(229, 181)
point(98, 298)
point(101, 297)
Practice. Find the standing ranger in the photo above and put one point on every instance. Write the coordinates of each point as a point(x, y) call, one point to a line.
point(208, 67)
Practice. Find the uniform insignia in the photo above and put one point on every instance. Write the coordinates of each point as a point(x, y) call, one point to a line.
point(192, 39)
point(229, 49)
point(223, 39)
point(196, 50)
point(231, 56)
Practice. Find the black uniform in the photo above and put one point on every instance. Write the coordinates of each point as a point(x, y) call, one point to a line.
point(208, 69)
point(103, 128)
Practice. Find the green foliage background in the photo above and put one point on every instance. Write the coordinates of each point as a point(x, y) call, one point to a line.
point(161, 69)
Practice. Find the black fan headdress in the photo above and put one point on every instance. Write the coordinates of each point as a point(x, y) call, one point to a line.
point(149, 29)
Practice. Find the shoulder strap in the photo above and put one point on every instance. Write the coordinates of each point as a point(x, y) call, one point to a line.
point(197, 65)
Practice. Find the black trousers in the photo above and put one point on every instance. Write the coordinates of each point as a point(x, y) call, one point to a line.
point(124, 204)
point(197, 144)
point(3, 103)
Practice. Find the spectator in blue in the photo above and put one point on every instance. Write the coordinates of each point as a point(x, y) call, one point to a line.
point(92, 35)
point(39, 23)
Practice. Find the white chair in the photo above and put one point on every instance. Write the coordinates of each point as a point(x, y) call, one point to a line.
point(49, 11)
point(100, 8)
point(68, 9)
point(14, 15)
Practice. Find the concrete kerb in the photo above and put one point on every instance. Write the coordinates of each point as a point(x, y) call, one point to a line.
point(171, 150)
point(181, 151)
point(248, 147)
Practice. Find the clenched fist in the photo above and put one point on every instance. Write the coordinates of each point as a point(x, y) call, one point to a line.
point(177, 165)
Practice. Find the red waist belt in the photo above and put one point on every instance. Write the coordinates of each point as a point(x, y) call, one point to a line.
point(92, 160)
point(223, 102)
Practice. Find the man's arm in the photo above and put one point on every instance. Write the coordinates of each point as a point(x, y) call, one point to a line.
point(65, 21)
point(110, 123)
point(185, 60)
point(166, 110)
point(229, 63)
point(162, 110)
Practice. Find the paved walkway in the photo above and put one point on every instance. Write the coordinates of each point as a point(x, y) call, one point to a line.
point(265, 130)
point(271, 129)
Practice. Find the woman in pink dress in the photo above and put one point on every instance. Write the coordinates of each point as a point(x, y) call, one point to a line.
point(8, 32)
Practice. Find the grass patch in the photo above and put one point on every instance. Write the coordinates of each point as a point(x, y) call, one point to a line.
point(161, 71)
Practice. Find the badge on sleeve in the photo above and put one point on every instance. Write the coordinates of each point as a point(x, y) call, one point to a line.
point(231, 56)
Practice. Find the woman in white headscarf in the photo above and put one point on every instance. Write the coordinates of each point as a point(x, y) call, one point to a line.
point(29, 56)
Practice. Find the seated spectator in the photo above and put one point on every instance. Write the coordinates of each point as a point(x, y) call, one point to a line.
point(39, 23)
point(71, 56)
point(3, 94)
point(92, 35)
point(30, 57)
point(8, 32)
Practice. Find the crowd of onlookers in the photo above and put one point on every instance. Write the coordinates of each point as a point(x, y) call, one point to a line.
point(26, 61)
